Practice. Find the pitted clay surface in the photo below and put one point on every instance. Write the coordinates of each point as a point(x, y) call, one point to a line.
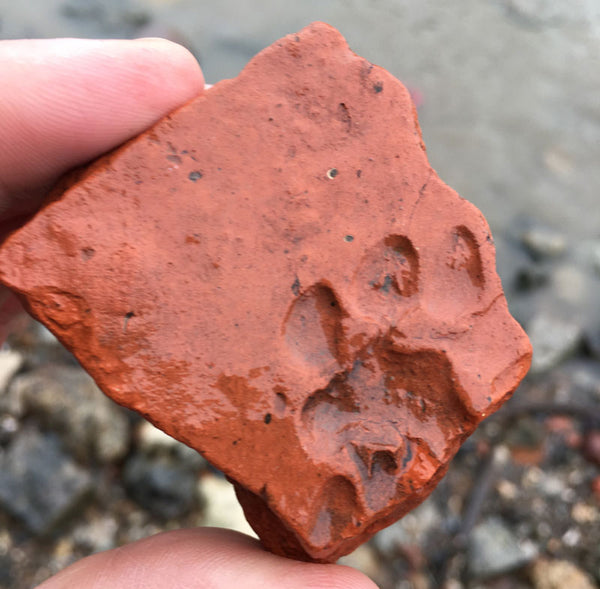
point(274, 275)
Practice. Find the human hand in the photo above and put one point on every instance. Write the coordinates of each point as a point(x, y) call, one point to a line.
point(202, 558)
point(62, 103)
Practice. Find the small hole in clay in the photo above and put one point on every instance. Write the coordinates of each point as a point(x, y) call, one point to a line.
point(87, 253)
point(268, 418)
point(128, 316)
point(193, 176)
point(280, 403)
point(332, 173)
point(349, 238)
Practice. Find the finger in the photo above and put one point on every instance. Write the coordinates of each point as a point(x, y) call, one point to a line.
point(66, 101)
point(201, 558)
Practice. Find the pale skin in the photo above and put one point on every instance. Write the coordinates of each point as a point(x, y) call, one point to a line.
point(64, 102)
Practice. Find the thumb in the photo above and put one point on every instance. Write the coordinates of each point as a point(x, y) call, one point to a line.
point(66, 101)
point(201, 558)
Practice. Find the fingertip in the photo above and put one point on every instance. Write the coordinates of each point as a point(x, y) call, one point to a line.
point(326, 576)
point(202, 557)
point(184, 67)
point(66, 101)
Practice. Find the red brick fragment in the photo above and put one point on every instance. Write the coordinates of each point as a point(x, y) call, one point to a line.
point(274, 275)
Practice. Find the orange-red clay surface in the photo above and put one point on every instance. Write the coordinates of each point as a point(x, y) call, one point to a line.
point(274, 275)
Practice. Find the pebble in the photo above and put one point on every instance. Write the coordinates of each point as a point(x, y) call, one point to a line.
point(221, 507)
point(162, 485)
point(571, 286)
point(571, 537)
point(98, 534)
point(553, 339)
point(494, 549)
point(39, 483)
point(63, 553)
point(582, 513)
point(559, 574)
point(547, 484)
point(544, 242)
point(67, 399)
point(10, 363)
point(410, 530)
point(507, 490)
point(552, 485)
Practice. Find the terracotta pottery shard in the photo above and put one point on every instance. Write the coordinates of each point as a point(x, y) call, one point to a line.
point(274, 275)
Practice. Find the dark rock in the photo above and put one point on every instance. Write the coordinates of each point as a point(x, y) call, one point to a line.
point(161, 485)
point(154, 442)
point(39, 483)
point(592, 341)
point(531, 277)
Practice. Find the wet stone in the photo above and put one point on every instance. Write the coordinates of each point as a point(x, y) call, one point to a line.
point(353, 328)
point(39, 483)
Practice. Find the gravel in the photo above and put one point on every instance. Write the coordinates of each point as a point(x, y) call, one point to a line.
point(67, 400)
point(39, 483)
